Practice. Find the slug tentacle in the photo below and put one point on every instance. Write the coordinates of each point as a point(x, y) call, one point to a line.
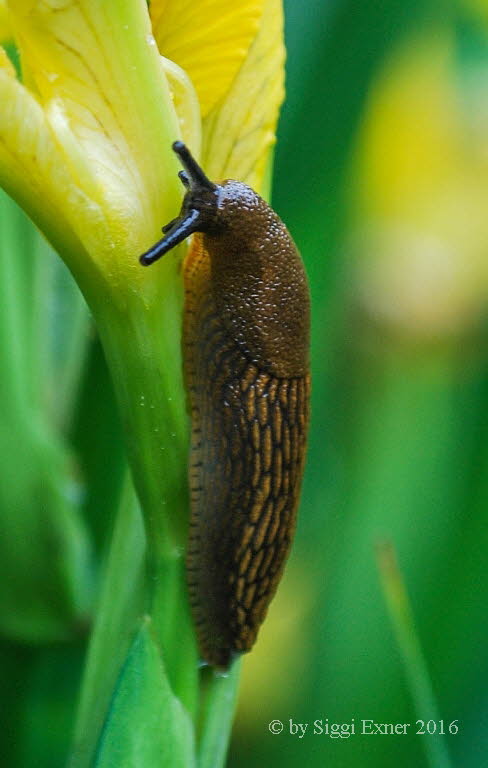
point(195, 175)
point(246, 361)
point(178, 230)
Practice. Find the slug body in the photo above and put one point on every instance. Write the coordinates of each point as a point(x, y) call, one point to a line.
point(246, 358)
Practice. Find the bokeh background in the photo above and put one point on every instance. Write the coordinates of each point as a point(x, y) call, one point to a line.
point(381, 173)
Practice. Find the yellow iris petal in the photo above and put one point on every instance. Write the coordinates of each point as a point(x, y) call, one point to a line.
point(5, 29)
point(208, 39)
point(101, 122)
point(5, 63)
point(238, 134)
point(185, 102)
point(110, 118)
point(30, 167)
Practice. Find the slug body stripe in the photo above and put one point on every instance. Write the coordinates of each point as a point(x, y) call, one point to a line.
point(249, 431)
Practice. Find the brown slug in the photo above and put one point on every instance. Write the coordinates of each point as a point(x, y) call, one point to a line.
point(246, 359)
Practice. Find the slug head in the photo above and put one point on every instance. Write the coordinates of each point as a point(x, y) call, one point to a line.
point(198, 211)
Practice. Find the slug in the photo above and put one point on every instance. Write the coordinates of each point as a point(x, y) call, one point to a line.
point(246, 364)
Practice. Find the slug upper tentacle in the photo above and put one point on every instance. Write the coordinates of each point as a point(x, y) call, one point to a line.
point(246, 359)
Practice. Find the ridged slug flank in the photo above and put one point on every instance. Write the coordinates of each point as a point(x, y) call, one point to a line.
point(246, 357)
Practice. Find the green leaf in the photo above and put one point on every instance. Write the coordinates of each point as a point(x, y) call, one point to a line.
point(118, 615)
point(416, 669)
point(45, 566)
point(45, 552)
point(147, 726)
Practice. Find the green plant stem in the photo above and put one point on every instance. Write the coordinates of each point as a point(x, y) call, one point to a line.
point(142, 343)
point(217, 708)
point(143, 350)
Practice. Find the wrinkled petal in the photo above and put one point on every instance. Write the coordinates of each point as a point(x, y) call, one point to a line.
point(185, 102)
point(208, 39)
point(30, 164)
point(239, 133)
point(110, 116)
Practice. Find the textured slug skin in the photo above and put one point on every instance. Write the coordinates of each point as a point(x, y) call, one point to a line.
point(246, 354)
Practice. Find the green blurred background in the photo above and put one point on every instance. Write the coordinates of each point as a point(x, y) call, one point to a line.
point(381, 173)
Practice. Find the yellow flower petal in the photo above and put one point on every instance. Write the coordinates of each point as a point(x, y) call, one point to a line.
point(209, 39)
point(238, 135)
point(185, 101)
point(5, 29)
point(6, 64)
point(111, 118)
point(30, 168)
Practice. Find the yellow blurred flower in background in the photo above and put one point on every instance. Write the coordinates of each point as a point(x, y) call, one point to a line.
point(420, 194)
